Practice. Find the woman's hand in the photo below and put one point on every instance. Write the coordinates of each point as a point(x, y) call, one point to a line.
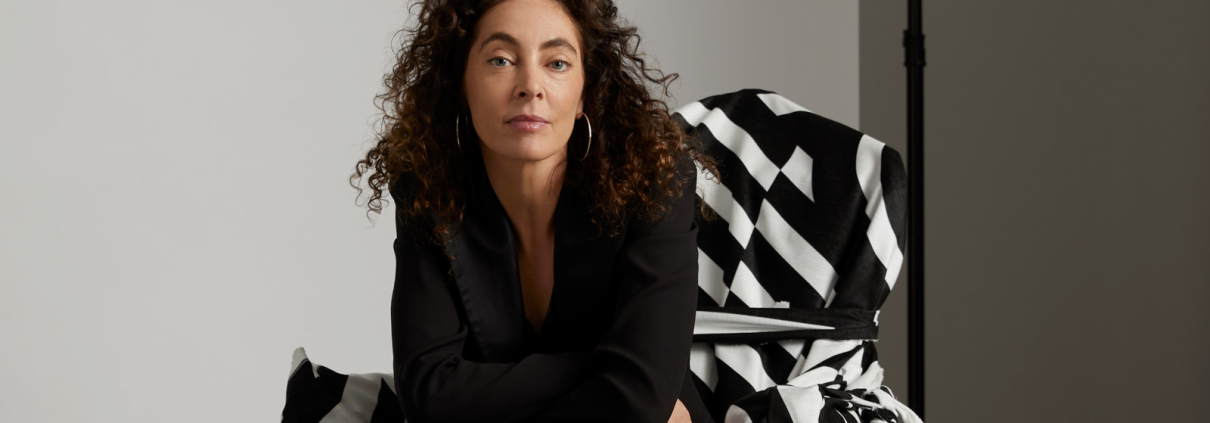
point(680, 414)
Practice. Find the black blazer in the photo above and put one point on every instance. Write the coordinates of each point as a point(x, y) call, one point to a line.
point(615, 342)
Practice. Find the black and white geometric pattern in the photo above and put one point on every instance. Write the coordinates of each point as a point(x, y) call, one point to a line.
point(316, 394)
point(808, 247)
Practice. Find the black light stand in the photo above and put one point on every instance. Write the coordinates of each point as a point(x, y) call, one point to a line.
point(913, 43)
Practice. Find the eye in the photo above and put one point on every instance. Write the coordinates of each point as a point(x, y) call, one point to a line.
point(565, 63)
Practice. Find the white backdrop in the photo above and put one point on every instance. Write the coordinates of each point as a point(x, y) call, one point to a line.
point(175, 216)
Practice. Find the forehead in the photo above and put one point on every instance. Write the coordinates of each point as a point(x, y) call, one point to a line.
point(530, 23)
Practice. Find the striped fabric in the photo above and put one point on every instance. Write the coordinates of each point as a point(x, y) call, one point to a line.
point(316, 394)
point(807, 248)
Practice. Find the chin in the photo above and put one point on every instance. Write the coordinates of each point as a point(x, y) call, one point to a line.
point(525, 148)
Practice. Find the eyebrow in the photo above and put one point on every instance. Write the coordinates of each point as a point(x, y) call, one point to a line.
point(557, 42)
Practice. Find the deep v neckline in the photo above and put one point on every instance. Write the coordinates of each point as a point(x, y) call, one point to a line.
point(550, 302)
point(483, 247)
point(559, 222)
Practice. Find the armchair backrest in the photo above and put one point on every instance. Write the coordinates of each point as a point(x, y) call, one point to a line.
point(807, 248)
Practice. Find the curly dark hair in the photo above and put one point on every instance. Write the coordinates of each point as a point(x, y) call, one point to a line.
point(632, 159)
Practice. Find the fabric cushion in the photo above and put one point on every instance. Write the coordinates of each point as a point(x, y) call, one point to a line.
point(315, 393)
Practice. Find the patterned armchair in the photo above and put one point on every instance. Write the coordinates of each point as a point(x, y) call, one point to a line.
point(792, 276)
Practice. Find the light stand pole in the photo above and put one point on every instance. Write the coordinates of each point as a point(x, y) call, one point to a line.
point(913, 43)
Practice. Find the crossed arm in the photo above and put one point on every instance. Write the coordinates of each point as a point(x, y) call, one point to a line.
point(635, 373)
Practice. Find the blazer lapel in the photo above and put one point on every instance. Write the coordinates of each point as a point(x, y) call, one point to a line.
point(485, 265)
point(486, 274)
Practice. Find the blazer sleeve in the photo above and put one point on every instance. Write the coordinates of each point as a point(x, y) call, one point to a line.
point(433, 382)
point(644, 355)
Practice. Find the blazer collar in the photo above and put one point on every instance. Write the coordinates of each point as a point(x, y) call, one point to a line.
point(485, 263)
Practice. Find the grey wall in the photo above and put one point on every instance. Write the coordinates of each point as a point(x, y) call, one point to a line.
point(174, 211)
point(807, 51)
point(1068, 244)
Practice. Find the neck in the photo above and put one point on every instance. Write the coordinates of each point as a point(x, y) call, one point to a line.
point(529, 192)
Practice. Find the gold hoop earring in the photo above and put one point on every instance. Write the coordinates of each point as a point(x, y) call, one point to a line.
point(458, 137)
point(589, 148)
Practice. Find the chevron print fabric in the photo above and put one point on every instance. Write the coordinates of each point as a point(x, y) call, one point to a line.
point(807, 248)
point(316, 394)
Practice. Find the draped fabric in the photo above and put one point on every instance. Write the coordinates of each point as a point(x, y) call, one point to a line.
point(807, 247)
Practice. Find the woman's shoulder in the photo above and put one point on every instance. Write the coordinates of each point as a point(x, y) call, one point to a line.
point(400, 186)
point(685, 177)
point(403, 197)
point(667, 201)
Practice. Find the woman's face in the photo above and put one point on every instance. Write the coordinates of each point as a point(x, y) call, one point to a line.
point(525, 60)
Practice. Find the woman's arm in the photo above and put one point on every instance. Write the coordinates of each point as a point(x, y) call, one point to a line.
point(644, 355)
point(432, 380)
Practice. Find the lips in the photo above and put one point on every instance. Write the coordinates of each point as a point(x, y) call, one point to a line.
point(527, 118)
point(527, 125)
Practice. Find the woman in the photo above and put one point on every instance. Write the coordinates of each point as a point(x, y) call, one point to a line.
point(483, 111)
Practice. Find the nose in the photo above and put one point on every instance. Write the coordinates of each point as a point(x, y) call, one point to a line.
point(530, 80)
